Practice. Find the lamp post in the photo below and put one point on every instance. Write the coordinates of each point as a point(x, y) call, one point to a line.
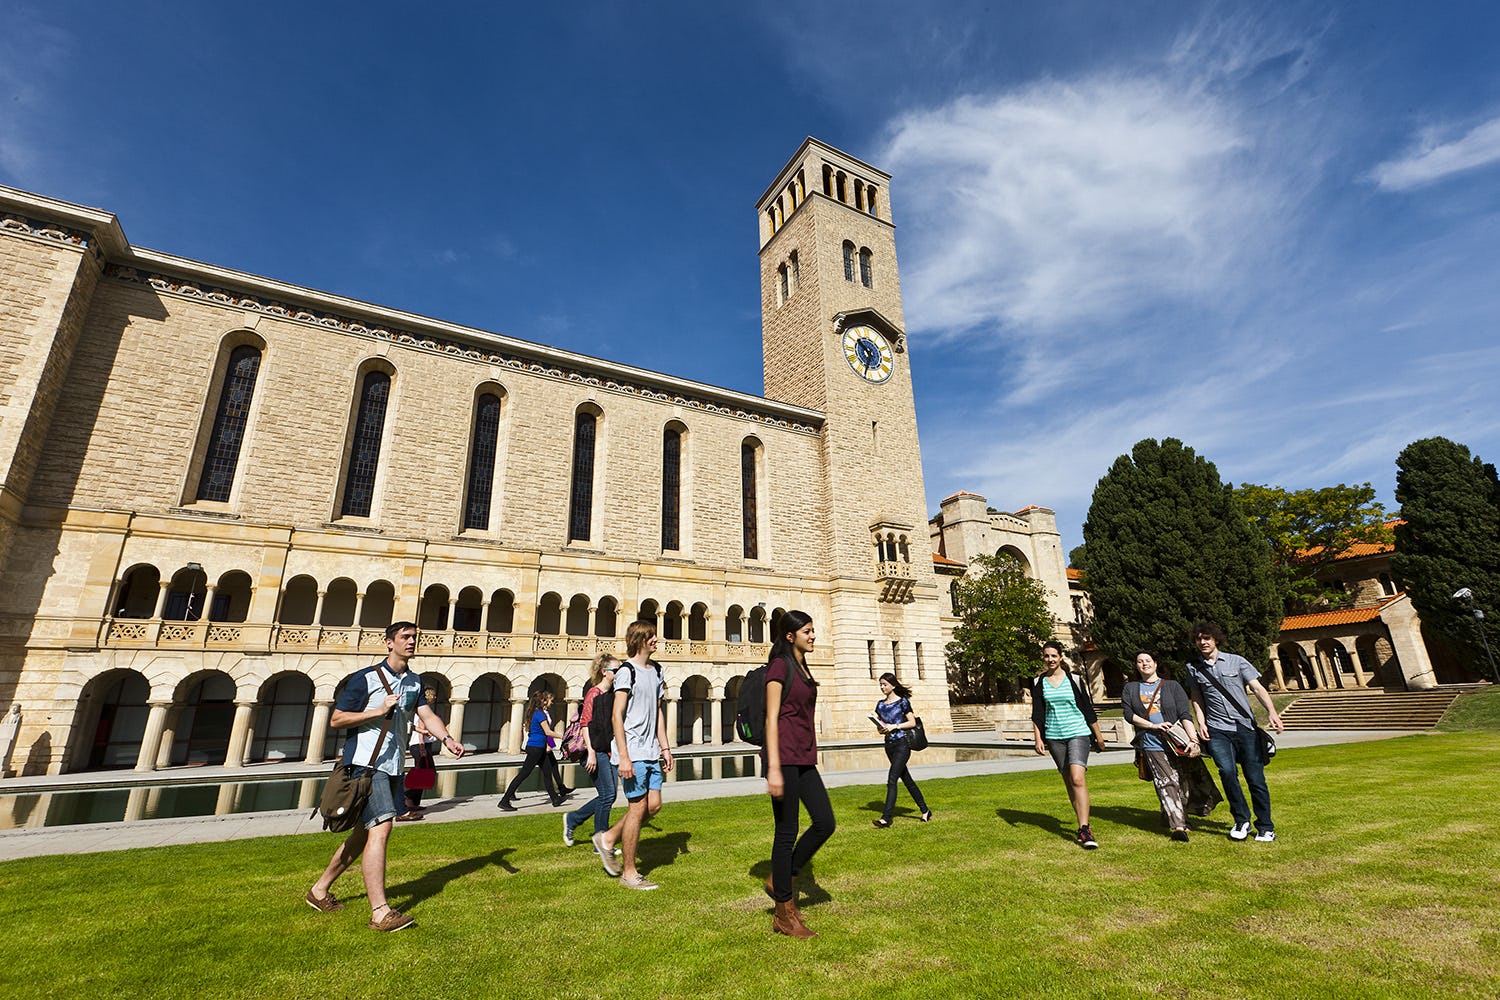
point(196, 568)
point(1467, 595)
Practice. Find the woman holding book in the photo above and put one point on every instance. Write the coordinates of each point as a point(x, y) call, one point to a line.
point(893, 717)
point(1159, 709)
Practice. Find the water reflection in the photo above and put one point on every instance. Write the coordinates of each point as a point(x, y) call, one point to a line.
point(110, 805)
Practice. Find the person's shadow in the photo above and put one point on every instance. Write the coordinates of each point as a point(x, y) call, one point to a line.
point(659, 852)
point(424, 887)
point(809, 892)
point(1148, 820)
point(877, 806)
point(1046, 822)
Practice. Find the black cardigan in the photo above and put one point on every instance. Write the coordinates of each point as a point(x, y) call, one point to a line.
point(1039, 702)
point(1174, 704)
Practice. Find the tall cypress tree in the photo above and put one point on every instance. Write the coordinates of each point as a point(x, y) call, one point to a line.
point(1168, 545)
point(1448, 538)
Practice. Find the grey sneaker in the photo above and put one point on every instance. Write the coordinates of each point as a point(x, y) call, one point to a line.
point(567, 832)
point(1265, 836)
point(607, 858)
point(640, 882)
point(1240, 831)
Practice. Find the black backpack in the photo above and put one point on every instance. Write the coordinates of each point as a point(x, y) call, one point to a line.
point(602, 722)
point(750, 712)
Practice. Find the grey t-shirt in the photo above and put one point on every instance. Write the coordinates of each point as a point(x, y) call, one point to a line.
point(645, 686)
point(1226, 706)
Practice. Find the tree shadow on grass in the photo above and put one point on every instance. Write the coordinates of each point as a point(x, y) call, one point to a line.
point(424, 887)
point(659, 852)
point(1046, 822)
point(809, 892)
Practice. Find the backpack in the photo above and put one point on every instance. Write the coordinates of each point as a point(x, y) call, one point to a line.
point(602, 723)
point(575, 745)
point(750, 710)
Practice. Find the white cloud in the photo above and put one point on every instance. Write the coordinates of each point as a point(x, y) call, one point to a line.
point(1432, 160)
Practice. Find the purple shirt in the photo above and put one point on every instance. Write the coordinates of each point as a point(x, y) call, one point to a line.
point(796, 723)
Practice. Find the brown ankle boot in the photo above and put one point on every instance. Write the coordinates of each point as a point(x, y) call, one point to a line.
point(771, 890)
point(787, 921)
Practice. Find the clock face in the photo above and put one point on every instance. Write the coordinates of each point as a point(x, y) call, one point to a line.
point(868, 354)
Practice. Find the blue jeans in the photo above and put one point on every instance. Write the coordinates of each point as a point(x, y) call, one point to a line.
point(1242, 748)
point(605, 777)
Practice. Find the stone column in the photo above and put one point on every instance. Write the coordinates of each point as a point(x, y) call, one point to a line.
point(672, 721)
point(204, 613)
point(161, 598)
point(359, 614)
point(715, 720)
point(484, 619)
point(452, 619)
point(239, 733)
point(455, 718)
point(517, 729)
point(168, 737)
point(151, 739)
point(317, 732)
point(318, 608)
point(1359, 671)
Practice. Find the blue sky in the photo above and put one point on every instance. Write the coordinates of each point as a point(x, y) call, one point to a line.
point(1273, 234)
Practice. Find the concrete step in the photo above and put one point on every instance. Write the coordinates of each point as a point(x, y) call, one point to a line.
point(1369, 709)
point(965, 722)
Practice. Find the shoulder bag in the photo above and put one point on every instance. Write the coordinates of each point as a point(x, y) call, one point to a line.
point(1263, 739)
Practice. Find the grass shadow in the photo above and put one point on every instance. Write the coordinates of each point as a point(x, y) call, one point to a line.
point(424, 887)
point(1046, 822)
point(659, 852)
point(809, 892)
point(443, 805)
point(877, 806)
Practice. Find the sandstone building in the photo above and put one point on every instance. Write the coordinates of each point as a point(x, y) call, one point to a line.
point(216, 490)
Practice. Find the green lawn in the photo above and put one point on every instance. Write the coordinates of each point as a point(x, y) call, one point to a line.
point(1384, 884)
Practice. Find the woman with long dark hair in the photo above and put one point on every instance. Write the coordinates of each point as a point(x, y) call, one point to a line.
point(601, 680)
point(1064, 724)
point(791, 759)
point(1153, 704)
point(896, 721)
point(537, 753)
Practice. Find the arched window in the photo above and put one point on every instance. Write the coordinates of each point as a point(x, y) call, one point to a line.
point(364, 454)
point(841, 187)
point(859, 194)
point(671, 489)
point(782, 291)
point(848, 261)
point(1387, 585)
point(828, 180)
point(865, 271)
point(581, 496)
point(796, 270)
point(230, 417)
point(749, 502)
point(671, 621)
point(482, 461)
point(870, 199)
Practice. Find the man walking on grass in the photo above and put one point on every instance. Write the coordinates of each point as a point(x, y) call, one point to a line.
point(1216, 682)
point(639, 749)
point(378, 705)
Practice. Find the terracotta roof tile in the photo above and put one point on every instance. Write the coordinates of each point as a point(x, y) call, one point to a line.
point(938, 560)
point(1344, 616)
point(1075, 574)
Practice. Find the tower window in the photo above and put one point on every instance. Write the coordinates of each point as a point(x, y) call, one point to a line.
point(228, 434)
point(482, 462)
point(364, 457)
point(581, 496)
point(841, 187)
point(865, 277)
point(828, 180)
point(870, 199)
point(782, 291)
point(749, 502)
point(796, 271)
point(848, 261)
point(671, 489)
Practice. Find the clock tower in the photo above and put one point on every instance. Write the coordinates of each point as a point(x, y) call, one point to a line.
point(834, 339)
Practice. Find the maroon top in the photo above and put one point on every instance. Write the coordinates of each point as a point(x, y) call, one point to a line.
point(796, 723)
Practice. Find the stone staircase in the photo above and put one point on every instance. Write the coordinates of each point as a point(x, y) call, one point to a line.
point(965, 722)
point(1369, 709)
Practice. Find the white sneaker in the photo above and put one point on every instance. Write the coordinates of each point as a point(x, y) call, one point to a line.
point(1240, 831)
point(1265, 836)
point(611, 867)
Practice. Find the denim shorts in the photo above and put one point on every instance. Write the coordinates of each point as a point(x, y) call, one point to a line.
point(385, 791)
point(1066, 753)
point(647, 778)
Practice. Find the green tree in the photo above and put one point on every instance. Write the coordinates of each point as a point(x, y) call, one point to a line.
point(1005, 620)
point(1448, 538)
point(1168, 544)
point(1308, 530)
point(1077, 559)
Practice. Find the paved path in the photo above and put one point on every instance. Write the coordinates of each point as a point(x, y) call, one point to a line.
point(94, 837)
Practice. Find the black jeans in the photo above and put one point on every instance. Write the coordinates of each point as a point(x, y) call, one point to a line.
point(551, 777)
point(898, 752)
point(802, 785)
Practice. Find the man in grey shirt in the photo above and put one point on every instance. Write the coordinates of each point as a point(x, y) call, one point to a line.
point(640, 750)
point(1217, 681)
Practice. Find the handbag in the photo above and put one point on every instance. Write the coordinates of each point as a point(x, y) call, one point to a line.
point(345, 793)
point(423, 773)
point(916, 738)
point(1142, 769)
